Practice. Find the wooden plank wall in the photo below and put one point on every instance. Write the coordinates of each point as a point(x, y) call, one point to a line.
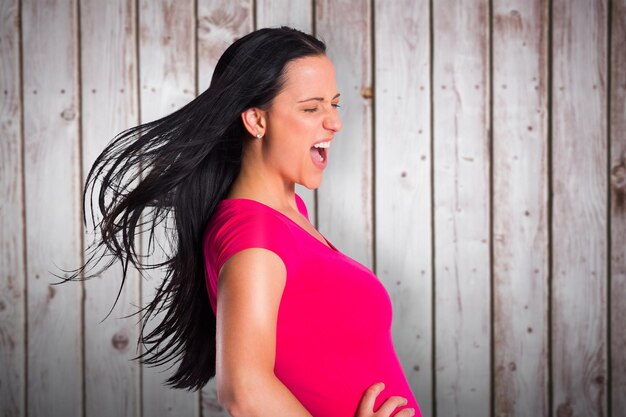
point(12, 222)
point(617, 216)
point(402, 184)
point(109, 83)
point(481, 172)
point(579, 189)
point(461, 207)
point(520, 206)
point(52, 182)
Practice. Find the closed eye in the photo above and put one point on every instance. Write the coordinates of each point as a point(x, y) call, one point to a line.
point(314, 109)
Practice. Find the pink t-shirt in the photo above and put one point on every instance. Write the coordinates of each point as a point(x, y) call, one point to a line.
point(333, 336)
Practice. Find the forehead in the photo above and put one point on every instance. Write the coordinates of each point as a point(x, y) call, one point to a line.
point(312, 75)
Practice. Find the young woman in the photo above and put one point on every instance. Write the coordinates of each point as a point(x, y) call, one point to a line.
point(254, 295)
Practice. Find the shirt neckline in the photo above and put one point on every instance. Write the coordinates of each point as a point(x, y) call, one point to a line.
point(328, 245)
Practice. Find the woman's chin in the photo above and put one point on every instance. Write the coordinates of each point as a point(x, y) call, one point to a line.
point(312, 183)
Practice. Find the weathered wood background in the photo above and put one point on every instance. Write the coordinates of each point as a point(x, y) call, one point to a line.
point(481, 173)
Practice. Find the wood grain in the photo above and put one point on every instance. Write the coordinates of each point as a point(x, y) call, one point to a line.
point(345, 200)
point(109, 104)
point(520, 208)
point(297, 14)
point(12, 273)
point(374, 200)
point(220, 23)
point(293, 13)
point(461, 207)
point(579, 228)
point(618, 207)
point(403, 183)
point(167, 77)
point(52, 184)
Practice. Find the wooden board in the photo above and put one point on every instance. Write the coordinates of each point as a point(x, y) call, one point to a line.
point(297, 14)
point(403, 183)
point(52, 184)
point(579, 227)
point(12, 273)
point(367, 207)
point(520, 207)
point(167, 78)
point(345, 200)
point(461, 207)
point(618, 207)
point(109, 105)
point(220, 23)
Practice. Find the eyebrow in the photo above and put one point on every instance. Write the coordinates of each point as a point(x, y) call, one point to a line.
point(317, 98)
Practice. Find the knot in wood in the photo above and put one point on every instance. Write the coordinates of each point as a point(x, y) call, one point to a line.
point(366, 92)
point(68, 114)
point(565, 410)
point(119, 341)
point(618, 177)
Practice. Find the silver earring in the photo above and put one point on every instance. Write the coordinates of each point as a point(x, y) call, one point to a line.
point(259, 135)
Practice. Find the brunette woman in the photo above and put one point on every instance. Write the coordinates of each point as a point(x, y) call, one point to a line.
point(253, 295)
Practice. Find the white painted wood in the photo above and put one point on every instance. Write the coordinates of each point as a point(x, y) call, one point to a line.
point(297, 14)
point(167, 81)
point(12, 274)
point(580, 171)
point(220, 23)
point(403, 183)
point(109, 103)
point(520, 207)
point(461, 207)
point(52, 195)
point(579, 227)
point(618, 208)
point(345, 199)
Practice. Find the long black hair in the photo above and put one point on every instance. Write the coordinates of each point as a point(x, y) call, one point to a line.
point(178, 168)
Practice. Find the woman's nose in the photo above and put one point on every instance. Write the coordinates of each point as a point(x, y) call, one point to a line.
point(333, 122)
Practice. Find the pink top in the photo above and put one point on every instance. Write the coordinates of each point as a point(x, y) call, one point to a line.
point(333, 336)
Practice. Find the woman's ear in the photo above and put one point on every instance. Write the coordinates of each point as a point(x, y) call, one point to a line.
point(254, 121)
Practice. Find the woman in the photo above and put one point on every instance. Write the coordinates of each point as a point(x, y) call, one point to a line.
point(253, 294)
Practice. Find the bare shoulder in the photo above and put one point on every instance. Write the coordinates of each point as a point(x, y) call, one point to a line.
point(252, 282)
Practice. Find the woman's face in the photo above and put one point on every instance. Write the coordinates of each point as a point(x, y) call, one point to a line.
point(304, 114)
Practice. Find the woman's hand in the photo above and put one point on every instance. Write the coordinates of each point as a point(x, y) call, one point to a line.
point(366, 406)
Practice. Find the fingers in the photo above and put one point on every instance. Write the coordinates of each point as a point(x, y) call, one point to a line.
point(369, 397)
point(407, 412)
point(366, 406)
point(390, 405)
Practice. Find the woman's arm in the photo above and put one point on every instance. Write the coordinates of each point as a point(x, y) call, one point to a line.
point(250, 287)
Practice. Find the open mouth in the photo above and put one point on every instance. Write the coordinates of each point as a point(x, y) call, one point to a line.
point(319, 155)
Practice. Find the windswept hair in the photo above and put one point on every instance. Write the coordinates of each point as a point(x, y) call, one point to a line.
point(178, 168)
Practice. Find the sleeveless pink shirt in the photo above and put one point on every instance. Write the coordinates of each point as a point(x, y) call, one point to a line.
point(333, 336)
